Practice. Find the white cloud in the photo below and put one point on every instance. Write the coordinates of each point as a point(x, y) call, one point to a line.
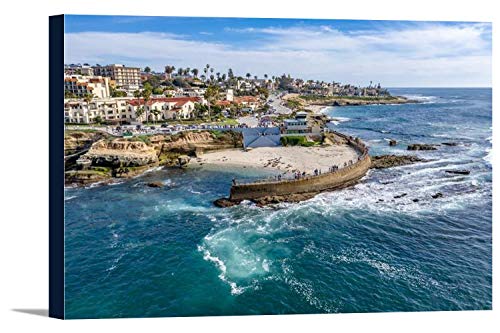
point(426, 54)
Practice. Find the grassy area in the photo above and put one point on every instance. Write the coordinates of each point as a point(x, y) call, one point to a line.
point(143, 138)
point(297, 141)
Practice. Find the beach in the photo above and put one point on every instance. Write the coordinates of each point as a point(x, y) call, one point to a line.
point(286, 159)
point(316, 109)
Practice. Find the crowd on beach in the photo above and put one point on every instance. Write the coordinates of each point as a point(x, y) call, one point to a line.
point(301, 175)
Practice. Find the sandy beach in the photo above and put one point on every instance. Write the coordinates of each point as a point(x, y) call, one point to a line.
point(286, 159)
point(316, 109)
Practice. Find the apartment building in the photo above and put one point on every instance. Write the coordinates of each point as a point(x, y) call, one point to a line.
point(128, 78)
point(80, 86)
point(114, 110)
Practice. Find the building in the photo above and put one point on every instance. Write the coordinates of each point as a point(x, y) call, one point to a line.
point(79, 86)
point(251, 103)
point(296, 126)
point(111, 110)
point(161, 109)
point(128, 78)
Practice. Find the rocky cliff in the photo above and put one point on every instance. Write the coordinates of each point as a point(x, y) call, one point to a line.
point(117, 158)
point(121, 153)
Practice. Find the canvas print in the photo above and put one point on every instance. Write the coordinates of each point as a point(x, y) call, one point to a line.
point(245, 166)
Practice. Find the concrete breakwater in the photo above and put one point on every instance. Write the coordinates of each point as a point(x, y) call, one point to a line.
point(263, 192)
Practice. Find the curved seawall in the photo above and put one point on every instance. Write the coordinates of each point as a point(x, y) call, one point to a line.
point(310, 184)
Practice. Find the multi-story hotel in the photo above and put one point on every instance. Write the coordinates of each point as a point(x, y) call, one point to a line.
point(128, 78)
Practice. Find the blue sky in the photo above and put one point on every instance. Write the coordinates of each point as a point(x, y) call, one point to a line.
point(394, 53)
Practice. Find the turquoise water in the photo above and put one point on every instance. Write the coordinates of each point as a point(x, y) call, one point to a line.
point(135, 251)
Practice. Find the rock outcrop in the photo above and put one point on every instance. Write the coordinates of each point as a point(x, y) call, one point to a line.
point(121, 153)
point(389, 161)
point(120, 157)
point(421, 146)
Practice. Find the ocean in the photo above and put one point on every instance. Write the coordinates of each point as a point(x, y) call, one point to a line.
point(383, 245)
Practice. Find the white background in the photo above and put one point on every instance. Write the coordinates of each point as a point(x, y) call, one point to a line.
point(24, 162)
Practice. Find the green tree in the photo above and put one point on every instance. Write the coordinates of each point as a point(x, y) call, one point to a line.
point(98, 120)
point(157, 91)
point(195, 72)
point(147, 69)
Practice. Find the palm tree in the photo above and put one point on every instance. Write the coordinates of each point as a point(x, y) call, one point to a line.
point(146, 95)
point(180, 71)
point(248, 75)
point(88, 98)
point(211, 94)
point(139, 112)
point(255, 77)
point(169, 70)
point(195, 72)
point(218, 76)
point(265, 76)
point(186, 71)
point(155, 112)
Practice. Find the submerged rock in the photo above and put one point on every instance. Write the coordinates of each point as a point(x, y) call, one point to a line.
point(155, 184)
point(421, 146)
point(392, 142)
point(451, 144)
point(400, 195)
point(437, 195)
point(389, 161)
point(458, 172)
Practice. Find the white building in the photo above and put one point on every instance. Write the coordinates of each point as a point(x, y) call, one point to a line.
point(114, 110)
point(82, 85)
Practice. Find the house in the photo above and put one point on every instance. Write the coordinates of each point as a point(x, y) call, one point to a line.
point(250, 102)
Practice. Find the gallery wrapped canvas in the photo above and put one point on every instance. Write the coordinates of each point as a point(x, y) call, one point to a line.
point(244, 166)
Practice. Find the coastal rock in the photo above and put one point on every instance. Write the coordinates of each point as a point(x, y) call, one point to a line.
point(389, 161)
point(225, 202)
point(392, 142)
point(451, 144)
point(183, 160)
point(400, 195)
point(437, 195)
point(85, 177)
point(421, 146)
